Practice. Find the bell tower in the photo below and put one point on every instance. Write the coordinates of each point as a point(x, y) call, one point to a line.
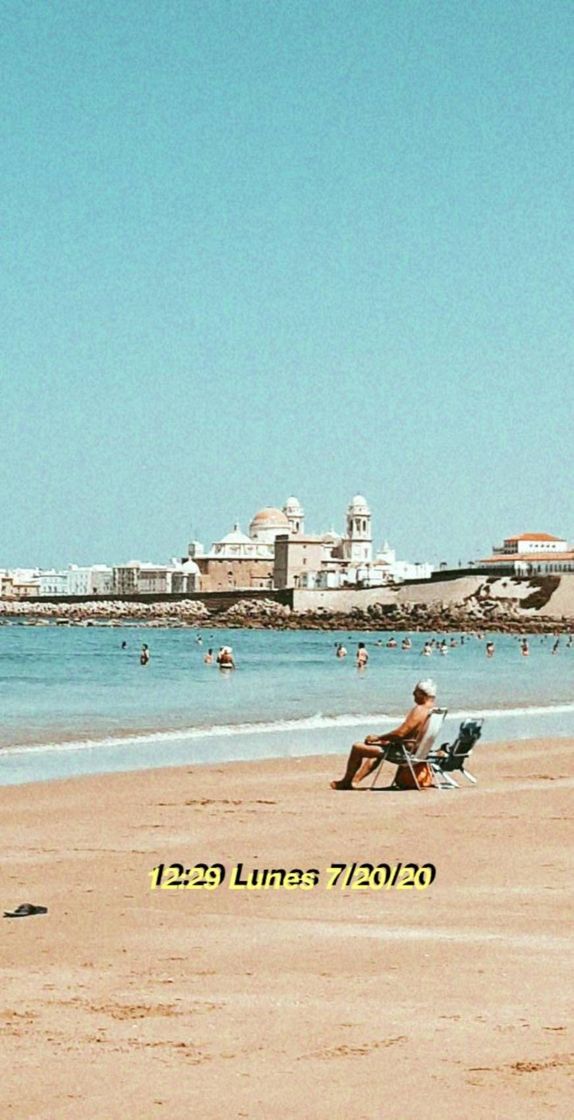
point(295, 515)
point(359, 531)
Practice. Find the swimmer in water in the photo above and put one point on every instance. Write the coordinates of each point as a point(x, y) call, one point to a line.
point(144, 655)
point(362, 656)
point(490, 649)
point(208, 659)
point(426, 651)
point(341, 651)
point(225, 658)
point(524, 648)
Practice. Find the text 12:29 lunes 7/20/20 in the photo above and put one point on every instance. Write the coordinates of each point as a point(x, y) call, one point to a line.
point(353, 876)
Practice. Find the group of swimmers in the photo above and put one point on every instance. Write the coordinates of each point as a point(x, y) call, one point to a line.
point(440, 646)
point(361, 656)
point(225, 659)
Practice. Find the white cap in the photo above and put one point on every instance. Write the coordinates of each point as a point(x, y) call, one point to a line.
point(427, 686)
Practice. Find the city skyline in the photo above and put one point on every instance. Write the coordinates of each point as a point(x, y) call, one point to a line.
point(252, 250)
point(248, 529)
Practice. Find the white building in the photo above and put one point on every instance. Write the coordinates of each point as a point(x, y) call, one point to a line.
point(185, 577)
point(528, 543)
point(139, 578)
point(400, 570)
point(52, 583)
point(97, 579)
point(530, 554)
point(358, 545)
point(102, 580)
point(332, 561)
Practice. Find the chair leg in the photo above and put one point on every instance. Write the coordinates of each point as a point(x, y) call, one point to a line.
point(469, 777)
point(412, 770)
point(446, 780)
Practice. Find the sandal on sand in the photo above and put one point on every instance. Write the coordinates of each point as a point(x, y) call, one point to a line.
point(25, 911)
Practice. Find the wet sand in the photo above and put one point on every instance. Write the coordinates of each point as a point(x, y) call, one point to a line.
point(447, 1002)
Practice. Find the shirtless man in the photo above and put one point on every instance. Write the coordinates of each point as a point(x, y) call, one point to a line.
point(365, 756)
point(225, 658)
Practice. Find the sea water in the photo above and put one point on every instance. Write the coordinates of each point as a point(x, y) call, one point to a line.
point(75, 702)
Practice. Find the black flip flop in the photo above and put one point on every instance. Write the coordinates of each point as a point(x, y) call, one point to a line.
point(25, 911)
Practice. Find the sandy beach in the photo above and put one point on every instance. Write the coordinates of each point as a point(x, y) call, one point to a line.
point(445, 1002)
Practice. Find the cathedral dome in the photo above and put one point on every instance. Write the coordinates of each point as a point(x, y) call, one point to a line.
point(267, 524)
point(269, 516)
point(235, 537)
point(359, 505)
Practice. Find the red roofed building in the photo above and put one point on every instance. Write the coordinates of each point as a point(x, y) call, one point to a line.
point(531, 542)
point(530, 553)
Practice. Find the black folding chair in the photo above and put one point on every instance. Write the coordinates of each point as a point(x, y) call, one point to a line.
point(451, 757)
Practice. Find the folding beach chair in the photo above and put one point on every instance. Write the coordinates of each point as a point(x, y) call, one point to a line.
point(409, 752)
point(453, 756)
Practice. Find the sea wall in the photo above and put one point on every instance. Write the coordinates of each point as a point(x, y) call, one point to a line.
point(478, 603)
point(341, 600)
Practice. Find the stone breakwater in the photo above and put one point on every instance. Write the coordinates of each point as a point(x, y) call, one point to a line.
point(105, 611)
point(478, 613)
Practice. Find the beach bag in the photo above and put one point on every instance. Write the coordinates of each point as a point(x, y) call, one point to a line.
point(405, 780)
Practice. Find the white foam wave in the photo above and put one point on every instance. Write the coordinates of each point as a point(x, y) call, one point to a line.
point(501, 713)
point(308, 723)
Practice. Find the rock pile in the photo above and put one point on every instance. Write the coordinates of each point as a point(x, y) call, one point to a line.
point(255, 612)
point(481, 611)
point(109, 611)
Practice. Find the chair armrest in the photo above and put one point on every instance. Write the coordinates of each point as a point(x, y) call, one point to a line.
point(395, 753)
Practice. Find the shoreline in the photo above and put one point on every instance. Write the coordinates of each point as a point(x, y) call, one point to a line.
point(199, 994)
point(227, 744)
point(205, 763)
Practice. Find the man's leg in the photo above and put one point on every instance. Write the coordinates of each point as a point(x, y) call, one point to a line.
point(368, 766)
point(359, 752)
point(371, 764)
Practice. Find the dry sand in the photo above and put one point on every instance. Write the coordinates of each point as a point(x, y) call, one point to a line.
point(451, 1002)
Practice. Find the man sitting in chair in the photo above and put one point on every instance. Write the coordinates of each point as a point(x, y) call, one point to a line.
point(366, 756)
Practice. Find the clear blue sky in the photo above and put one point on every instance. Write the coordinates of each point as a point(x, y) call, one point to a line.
point(252, 249)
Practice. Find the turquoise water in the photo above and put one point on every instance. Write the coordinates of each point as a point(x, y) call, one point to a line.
point(74, 702)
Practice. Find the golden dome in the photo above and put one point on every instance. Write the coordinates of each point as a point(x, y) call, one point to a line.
point(270, 516)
